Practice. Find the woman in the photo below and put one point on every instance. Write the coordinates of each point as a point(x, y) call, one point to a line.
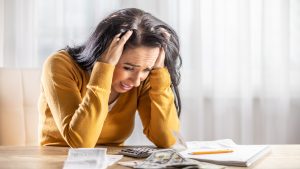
point(90, 93)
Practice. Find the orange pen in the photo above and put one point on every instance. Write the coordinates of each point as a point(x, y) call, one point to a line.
point(211, 152)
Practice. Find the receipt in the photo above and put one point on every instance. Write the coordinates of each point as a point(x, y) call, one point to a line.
point(86, 158)
point(86, 154)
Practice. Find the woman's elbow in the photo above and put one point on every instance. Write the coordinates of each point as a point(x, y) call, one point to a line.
point(75, 141)
point(163, 141)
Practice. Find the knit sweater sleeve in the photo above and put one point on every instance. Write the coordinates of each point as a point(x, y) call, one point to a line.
point(78, 119)
point(157, 109)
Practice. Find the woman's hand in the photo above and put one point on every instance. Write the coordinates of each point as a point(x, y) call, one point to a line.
point(160, 61)
point(113, 53)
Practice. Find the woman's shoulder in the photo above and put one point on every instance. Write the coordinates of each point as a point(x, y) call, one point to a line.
point(60, 60)
point(59, 57)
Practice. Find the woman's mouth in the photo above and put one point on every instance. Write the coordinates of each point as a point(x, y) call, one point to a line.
point(126, 86)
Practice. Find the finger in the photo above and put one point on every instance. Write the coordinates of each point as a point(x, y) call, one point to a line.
point(162, 52)
point(160, 59)
point(117, 37)
point(165, 33)
point(125, 37)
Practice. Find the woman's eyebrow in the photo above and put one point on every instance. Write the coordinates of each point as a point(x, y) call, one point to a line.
point(133, 65)
point(130, 64)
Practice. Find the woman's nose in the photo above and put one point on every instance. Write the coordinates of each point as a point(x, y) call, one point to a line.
point(136, 80)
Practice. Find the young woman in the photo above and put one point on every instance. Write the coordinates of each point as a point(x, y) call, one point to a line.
point(90, 93)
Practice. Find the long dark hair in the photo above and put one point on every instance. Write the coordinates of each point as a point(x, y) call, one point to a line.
point(147, 31)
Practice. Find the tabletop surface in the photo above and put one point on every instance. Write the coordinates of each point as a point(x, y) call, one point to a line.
point(281, 156)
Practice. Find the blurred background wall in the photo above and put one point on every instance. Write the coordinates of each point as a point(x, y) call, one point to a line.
point(241, 58)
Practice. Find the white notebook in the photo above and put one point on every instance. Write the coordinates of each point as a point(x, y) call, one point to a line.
point(242, 155)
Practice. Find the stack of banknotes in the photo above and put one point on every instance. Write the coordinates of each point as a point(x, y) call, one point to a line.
point(169, 158)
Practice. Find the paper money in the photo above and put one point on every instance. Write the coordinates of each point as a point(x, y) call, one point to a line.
point(168, 158)
point(164, 159)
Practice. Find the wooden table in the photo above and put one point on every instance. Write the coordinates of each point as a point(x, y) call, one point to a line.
point(281, 157)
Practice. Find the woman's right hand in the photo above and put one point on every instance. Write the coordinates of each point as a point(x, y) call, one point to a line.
point(113, 53)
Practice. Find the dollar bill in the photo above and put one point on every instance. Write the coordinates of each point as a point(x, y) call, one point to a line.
point(169, 158)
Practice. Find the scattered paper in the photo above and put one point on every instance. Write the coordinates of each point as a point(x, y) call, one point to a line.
point(111, 159)
point(180, 144)
point(242, 155)
point(89, 158)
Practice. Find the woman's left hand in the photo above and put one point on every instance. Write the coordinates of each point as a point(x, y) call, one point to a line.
point(160, 61)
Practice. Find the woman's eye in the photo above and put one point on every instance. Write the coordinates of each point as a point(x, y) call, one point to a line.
point(147, 70)
point(128, 68)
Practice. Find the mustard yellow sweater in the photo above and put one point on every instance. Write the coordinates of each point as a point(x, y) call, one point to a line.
point(73, 106)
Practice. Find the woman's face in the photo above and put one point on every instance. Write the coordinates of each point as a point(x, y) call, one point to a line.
point(133, 67)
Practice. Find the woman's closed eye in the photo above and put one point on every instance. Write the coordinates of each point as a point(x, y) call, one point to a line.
point(131, 68)
point(128, 68)
point(147, 70)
